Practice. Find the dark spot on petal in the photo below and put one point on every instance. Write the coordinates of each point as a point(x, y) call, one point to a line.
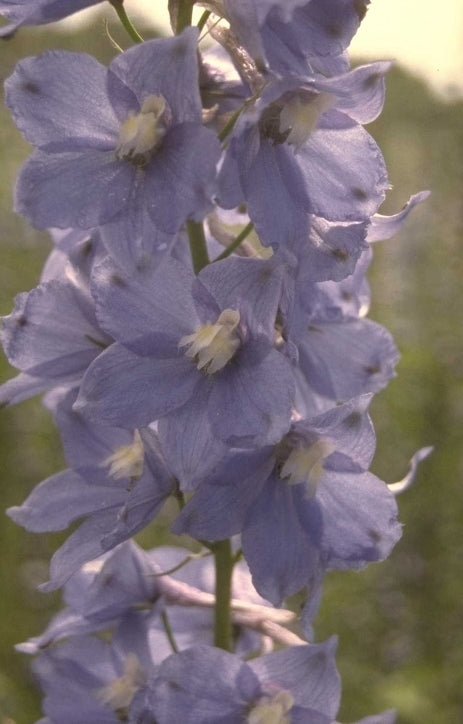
point(374, 535)
point(372, 369)
point(117, 280)
point(347, 296)
point(334, 30)
point(353, 419)
point(359, 193)
point(313, 328)
point(340, 254)
point(372, 80)
point(21, 321)
point(30, 87)
point(173, 685)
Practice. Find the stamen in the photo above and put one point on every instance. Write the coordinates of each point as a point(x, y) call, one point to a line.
point(118, 694)
point(305, 464)
point(213, 345)
point(127, 460)
point(299, 116)
point(141, 133)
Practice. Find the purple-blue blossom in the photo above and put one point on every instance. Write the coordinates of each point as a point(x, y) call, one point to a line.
point(304, 505)
point(300, 152)
point(207, 342)
point(122, 141)
point(117, 482)
point(204, 685)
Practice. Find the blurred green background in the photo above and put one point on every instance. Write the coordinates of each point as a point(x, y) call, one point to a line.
point(400, 623)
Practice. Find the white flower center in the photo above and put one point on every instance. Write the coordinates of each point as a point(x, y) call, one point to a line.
point(300, 116)
point(141, 133)
point(305, 464)
point(213, 345)
point(118, 694)
point(274, 710)
point(127, 460)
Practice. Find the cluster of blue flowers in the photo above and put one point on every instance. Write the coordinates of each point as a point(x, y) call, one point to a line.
point(200, 333)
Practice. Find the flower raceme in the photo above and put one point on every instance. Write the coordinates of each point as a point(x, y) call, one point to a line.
point(231, 397)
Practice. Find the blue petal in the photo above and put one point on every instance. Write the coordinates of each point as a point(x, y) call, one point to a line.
point(121, 388)
point(181, 178)
point(251, 401)
point(73, 189)
point(60, 98)
point(280, 553)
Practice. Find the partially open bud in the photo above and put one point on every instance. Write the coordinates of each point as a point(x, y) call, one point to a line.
point(141, 133)
point(213, 345)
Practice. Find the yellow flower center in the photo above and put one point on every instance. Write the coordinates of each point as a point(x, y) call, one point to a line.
point(299, 116)
point(127, 460)
point(118, 694)
point(274, 710)
point(213, 345)
point(305, 464)
point(141, 133)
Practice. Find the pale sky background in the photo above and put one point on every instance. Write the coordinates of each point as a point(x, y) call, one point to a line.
point(424, 35)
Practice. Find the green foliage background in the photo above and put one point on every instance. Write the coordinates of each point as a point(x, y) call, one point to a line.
point(400, 623)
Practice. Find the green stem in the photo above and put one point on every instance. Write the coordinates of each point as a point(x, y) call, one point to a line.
point(223, 578)
point(203, 19)
point(124, 18)
point(169, 632)
point(236, 242)
point(231, 123)
point(198, 246)
point(185, 15)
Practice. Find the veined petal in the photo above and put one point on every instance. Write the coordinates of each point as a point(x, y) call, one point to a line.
point(72, 189)
point(166, 67)
point(60, 97)
point(122, 388)
point(344, 171)
point(180, 179)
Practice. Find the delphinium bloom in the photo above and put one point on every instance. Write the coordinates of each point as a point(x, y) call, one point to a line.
point(100, 678)
point(52, 334)
point(207, 342)
point(300, 151)
point(117, 482)
point(114, 142)
point(129, 583)
point(307, 503)
point(205, 685)
point(38, 12)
